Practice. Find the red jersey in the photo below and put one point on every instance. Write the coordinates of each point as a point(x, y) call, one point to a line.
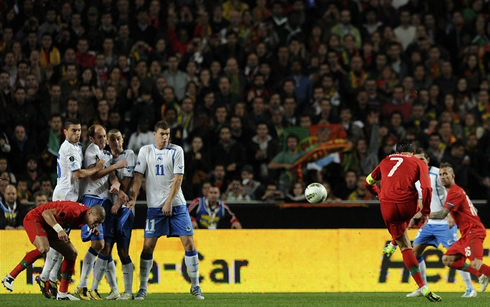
point(69, 214)
point(463, 211)
point(398, 174)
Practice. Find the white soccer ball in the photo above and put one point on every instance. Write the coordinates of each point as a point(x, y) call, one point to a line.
point(316, 193)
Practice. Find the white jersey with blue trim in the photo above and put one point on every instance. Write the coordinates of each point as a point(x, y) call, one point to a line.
point(439, 194)
point(98, 188)
point(126, 172)
point(160, 167)
point(69, 160)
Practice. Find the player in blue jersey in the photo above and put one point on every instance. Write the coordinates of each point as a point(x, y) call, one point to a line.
point(163, 165)
point(118, 225)
point(96, 189)
point(208, 212)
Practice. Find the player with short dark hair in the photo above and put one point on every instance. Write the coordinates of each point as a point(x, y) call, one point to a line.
point(45, 227)
point(163, 164)
point(473, 232)
point(398, 196)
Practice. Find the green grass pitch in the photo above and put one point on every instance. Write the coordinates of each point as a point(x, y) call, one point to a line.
point(256, 299)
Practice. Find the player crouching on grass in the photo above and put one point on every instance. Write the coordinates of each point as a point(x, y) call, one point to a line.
point(45, 227)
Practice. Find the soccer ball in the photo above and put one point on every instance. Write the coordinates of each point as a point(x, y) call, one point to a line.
point(316, 193)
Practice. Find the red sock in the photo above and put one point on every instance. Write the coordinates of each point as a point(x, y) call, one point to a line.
point(461, 264)
point(27, 261)
point(393, 242)
point(67, 270)
point(484, 269)
point(413, 266)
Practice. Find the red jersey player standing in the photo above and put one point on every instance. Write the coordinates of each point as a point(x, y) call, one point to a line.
point(473, 232)
point(45, 227)
point(398, 201)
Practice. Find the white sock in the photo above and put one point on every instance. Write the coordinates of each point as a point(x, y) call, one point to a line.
point(192, 263)
point(145, 269)
point(110, 274)
point(466, 277)
point(423, 270)
point(128, 270)
point(87, 266)
point(51, 259)
point(99, 271)
point(53, 275)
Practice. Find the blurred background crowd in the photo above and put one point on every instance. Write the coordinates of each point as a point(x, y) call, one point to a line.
point(235, 79)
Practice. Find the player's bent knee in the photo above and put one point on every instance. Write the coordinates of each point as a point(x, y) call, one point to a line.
point(71, 254)
point(476, 264)
point(147, 249)
point(188, 243)
point(447, 261)
point(98, 245)
point(43, 249)
point(123, 253)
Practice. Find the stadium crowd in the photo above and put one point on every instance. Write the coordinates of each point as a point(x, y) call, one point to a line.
point(234, 79)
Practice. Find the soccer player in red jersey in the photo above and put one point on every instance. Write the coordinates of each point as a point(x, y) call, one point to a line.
point(473, 232)
point(398, 201)
point(45, 227)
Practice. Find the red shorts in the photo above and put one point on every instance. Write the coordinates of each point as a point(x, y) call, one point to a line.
point(397, 216)
point(470, 246)
point(34, 227)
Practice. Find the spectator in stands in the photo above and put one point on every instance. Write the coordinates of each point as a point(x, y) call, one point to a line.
point(345, 27)
point(272, 193)
point(229, 152)
point(33, 175)
point(208, 212)
point(235, 192)
point(23, 193)
point(141, 137)
point(261, 149)
point(344, 189)
point(40, 198)
point(175, 77)
point(4, 144)
point(22, 146)
point(12, 212)
point(224, 96)
point(398, 103)
point(4, 168)
point(22, 112)
point(361, 192)
point(219, 177)
point(239, 132)
point(47, 187)
point(405, 33)
point(283, 161)
point(468, 178)
point(296, 193)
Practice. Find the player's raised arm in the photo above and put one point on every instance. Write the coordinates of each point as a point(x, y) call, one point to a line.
point(88, 172)
point(104, 171)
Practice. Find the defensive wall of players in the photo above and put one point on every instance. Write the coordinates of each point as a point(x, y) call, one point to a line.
point(265, 260)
